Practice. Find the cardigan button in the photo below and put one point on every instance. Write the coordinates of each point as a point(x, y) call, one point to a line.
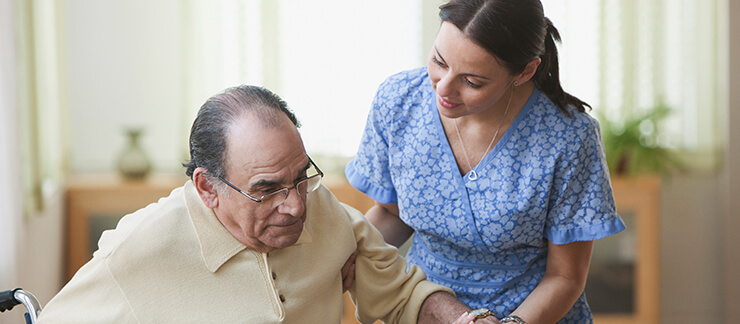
point(274, 276)
point(282, 298)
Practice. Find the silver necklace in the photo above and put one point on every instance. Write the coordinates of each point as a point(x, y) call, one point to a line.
point(473, 175)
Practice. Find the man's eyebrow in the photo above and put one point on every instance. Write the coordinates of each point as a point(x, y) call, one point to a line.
point(264, 183)
point(301, 176)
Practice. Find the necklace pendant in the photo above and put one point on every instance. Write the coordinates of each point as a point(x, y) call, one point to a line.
point(472, 176)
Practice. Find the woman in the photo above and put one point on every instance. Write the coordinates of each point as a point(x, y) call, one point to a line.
point(498, 173)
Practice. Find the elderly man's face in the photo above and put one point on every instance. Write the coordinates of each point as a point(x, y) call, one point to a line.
point(260, 160)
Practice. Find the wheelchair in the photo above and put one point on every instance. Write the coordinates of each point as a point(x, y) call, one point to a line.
point(13, 297)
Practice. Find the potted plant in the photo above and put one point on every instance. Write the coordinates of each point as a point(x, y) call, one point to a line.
point(632, 147)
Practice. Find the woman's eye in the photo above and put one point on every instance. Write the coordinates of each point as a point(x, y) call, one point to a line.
point(436, 61)
point(471, 84)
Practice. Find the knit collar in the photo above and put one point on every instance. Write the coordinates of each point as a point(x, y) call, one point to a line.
point(217, 245)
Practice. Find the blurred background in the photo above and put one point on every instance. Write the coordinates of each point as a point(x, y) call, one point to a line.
point(97, 99)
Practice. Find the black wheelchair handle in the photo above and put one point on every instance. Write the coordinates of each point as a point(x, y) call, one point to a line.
point(7, 299)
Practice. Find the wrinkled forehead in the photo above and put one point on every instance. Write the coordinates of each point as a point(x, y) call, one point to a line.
point(254, 147)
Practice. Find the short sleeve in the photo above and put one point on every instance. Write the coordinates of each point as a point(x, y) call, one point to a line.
point(369, 171)
point(581, 200)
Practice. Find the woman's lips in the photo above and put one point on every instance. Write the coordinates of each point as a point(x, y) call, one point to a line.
point(446, 104)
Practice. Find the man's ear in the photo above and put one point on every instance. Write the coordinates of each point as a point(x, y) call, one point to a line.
point(207, 192)
point(529, 71)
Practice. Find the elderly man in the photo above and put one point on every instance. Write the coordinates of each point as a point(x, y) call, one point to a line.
point(253, 237)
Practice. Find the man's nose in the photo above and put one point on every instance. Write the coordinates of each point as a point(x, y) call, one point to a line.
point(294, 204)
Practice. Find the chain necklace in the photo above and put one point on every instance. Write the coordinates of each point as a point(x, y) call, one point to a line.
point(473, 175)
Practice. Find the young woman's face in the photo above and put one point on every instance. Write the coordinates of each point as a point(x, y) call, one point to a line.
point(467, 79)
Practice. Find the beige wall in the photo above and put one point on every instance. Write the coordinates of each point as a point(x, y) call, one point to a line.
point(691, 245)
point(10, 183)
point(731, 176)
point(122, 65)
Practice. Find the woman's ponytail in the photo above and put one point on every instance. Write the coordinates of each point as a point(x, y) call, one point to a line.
point(548, 74)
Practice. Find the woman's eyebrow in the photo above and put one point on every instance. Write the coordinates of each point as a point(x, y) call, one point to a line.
point(465, 74)
point(440, 55)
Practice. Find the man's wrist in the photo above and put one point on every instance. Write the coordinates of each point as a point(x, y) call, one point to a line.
point(441, 307)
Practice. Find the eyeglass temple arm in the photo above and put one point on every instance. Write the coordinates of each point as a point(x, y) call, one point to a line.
point(238, 190)
point(315, 166)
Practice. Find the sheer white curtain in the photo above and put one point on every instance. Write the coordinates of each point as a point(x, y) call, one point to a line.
point(10, 184)
point(625, 56)
point(335, 55)
point(325, 58)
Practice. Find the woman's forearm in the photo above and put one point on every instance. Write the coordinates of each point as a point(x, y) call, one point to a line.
point(385, 218)
point(553, 297)
point(562, 284)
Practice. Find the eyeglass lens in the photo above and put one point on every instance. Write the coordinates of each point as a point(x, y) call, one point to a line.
point(279, 197)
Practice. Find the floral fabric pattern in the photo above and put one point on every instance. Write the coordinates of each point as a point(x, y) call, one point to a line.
point(546, 178)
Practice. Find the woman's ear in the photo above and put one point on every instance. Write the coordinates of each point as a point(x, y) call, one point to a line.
point(207, 192)
point(529, 71)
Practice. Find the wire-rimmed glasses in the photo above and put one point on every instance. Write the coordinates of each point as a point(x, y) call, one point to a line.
point(278, 197)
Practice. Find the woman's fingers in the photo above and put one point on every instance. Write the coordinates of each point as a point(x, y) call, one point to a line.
point(348, 271)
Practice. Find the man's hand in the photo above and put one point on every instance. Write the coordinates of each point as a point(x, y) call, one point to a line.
point(441, 307)
point(467, 318)
point(348, 271)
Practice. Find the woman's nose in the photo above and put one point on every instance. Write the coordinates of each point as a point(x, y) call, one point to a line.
point(444, 86)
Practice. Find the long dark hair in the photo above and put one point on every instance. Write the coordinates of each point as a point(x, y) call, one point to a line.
point(515, 32)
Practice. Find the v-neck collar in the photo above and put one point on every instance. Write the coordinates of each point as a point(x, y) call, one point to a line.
point(432, 105)
point(463, 182)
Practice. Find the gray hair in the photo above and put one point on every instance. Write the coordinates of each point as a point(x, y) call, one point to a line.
point(218, 113)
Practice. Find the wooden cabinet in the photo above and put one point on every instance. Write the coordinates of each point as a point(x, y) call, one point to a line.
point(95, 203)
point(624, 279)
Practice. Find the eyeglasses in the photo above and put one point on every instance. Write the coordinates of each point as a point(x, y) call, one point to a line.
point(278, 197)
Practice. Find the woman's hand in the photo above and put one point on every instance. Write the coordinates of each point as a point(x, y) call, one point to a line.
point(348, 271)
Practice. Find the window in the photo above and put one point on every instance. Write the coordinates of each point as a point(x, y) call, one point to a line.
point(623, 57)
point(326, 59)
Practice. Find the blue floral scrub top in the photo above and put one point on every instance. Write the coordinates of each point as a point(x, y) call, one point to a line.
point(545, 179)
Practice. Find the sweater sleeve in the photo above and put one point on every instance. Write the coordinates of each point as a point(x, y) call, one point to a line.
point(92, 285)
point(383, 287)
